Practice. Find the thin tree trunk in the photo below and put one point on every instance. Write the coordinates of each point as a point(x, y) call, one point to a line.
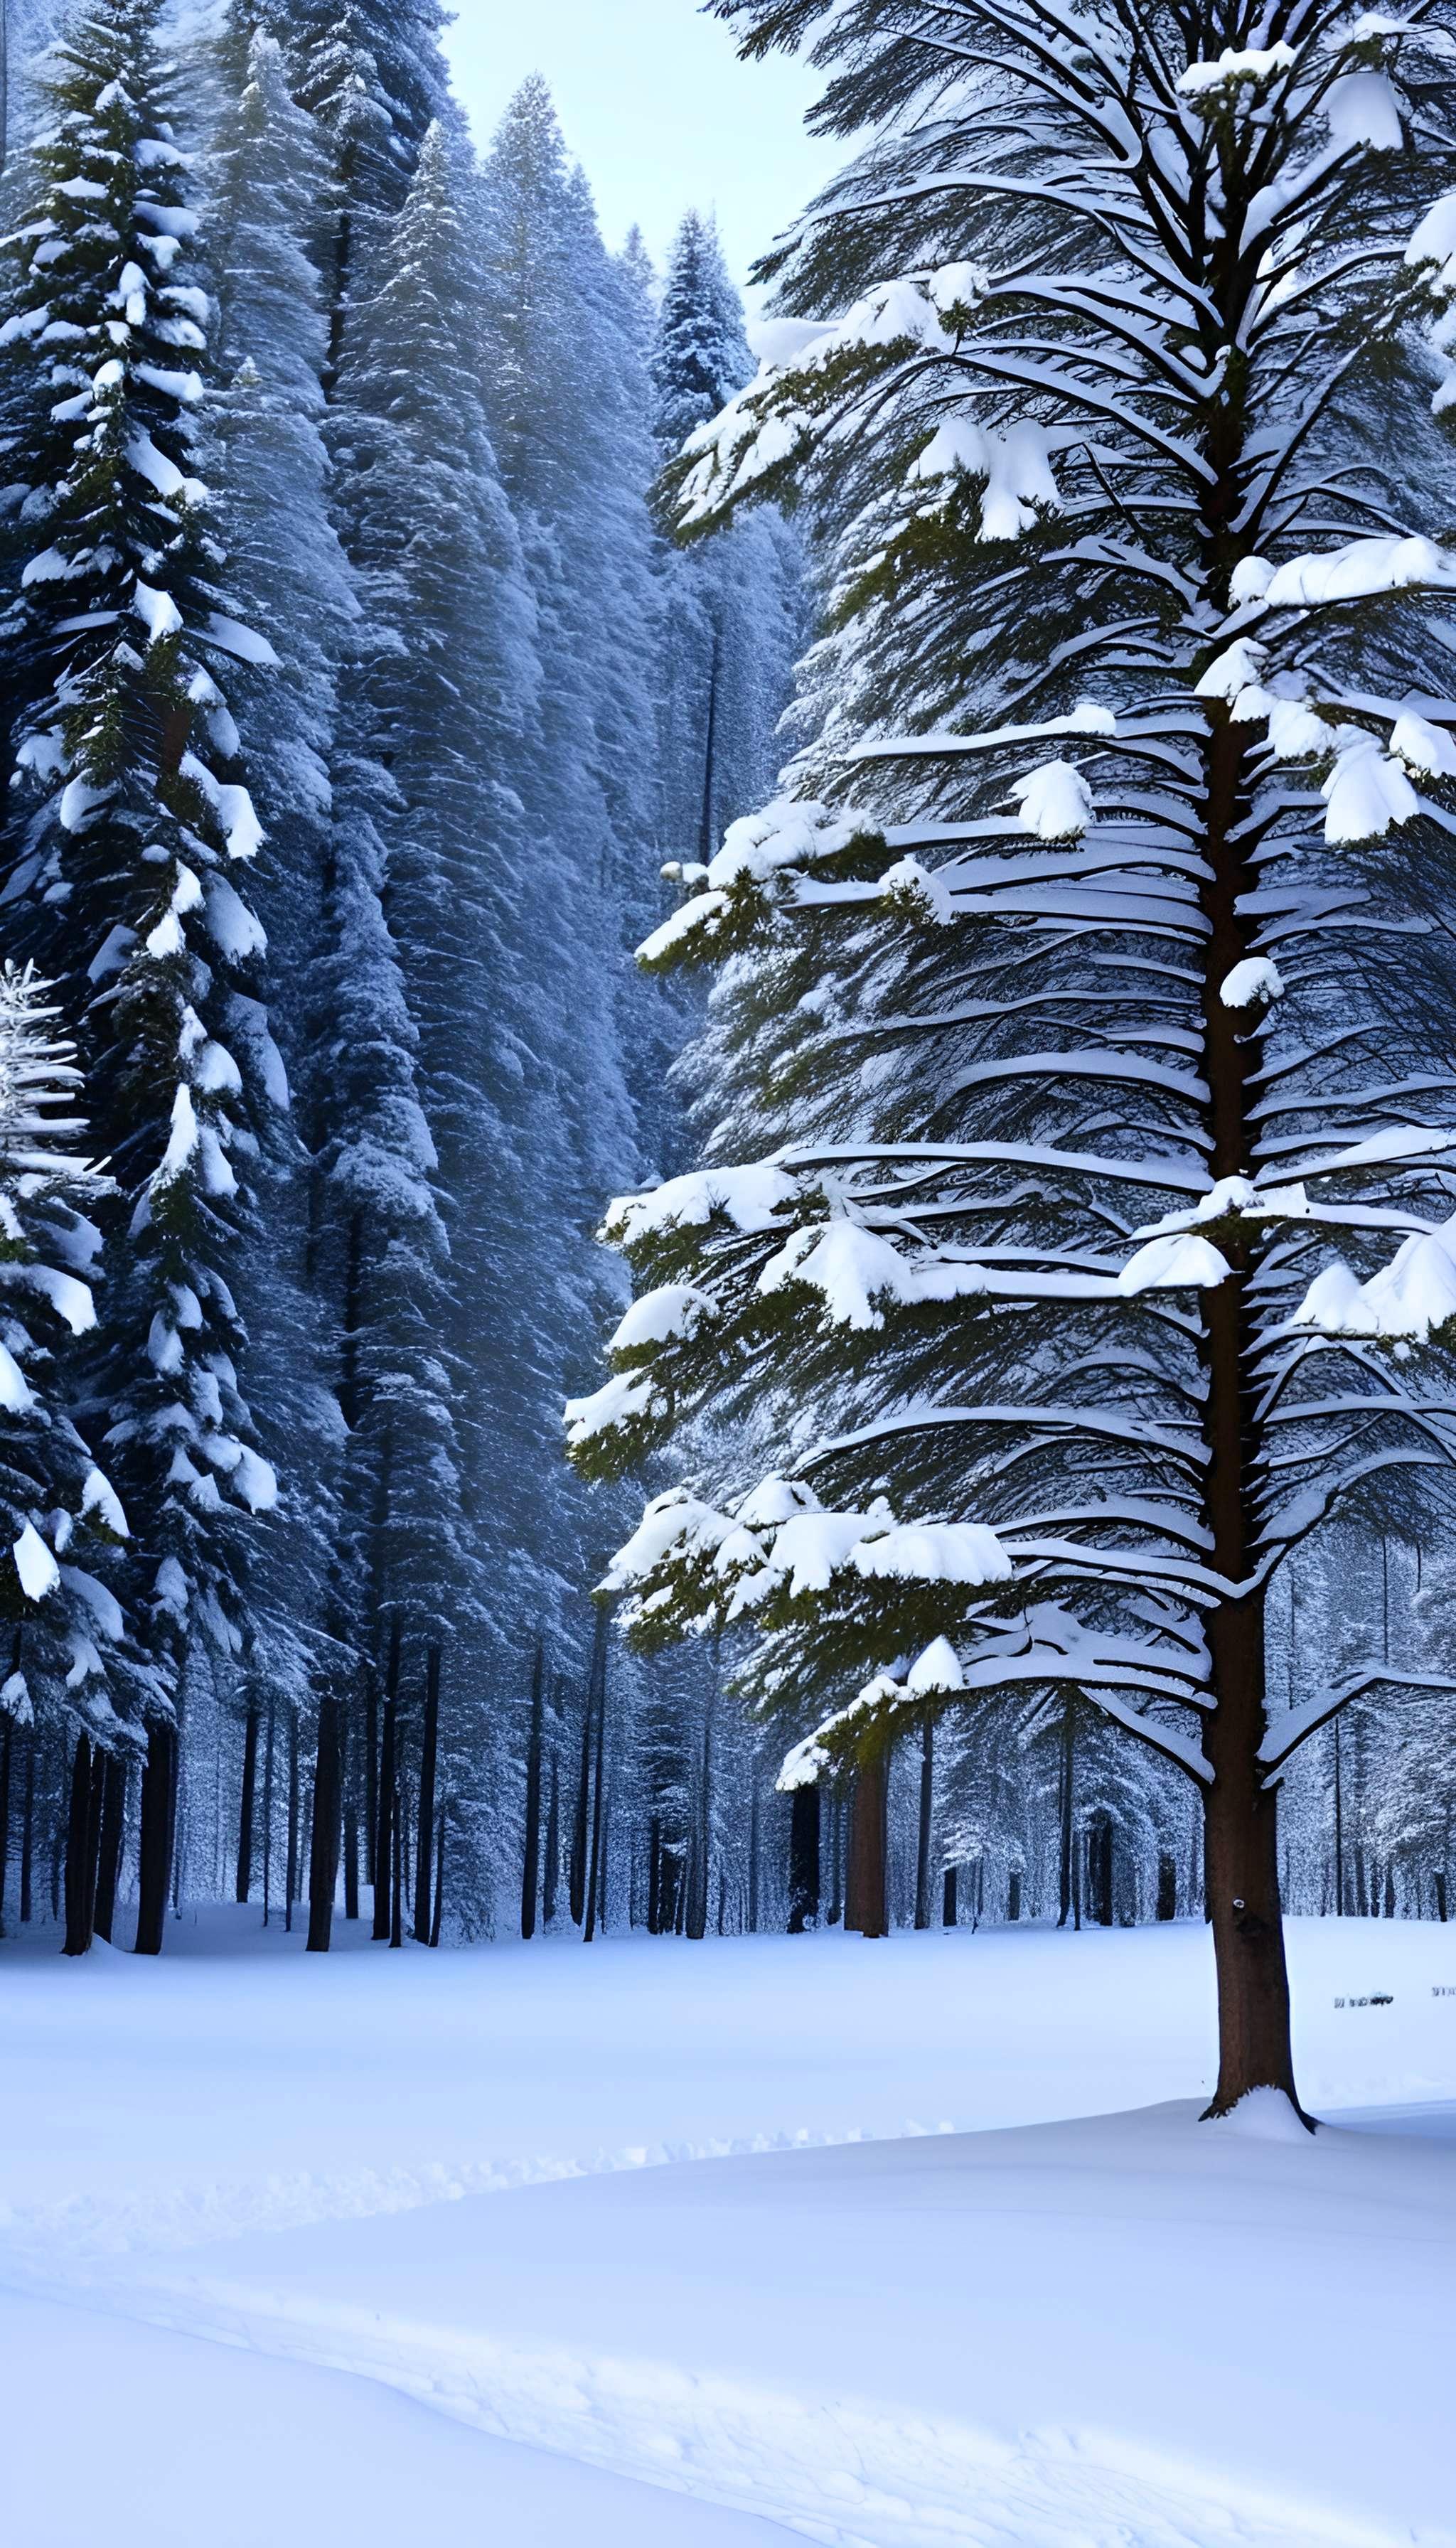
point(950, 1904)
point(434, 1926)
point(384, 1852)
point(654, 1876)
point(553, 1847)
point(1067, 1802)
point(428, 1768)
point(371, 1776)
point(155, 1845)
point(595, 1870)
point(866, 1906)
point(5, 1751)
point(291, 1868)
point(28, 1835)
point(927, 1797)
point(397, 1882)
point(351, 1830)
point(582, 1821)
point(245, 1810)
point(112, 1841)
point(268, 1810)
point(700, 1868)
point(323, 1841)
point(531, 1868)
point(707, 838)
point(78, 1901)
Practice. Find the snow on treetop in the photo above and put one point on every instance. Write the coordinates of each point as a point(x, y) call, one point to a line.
point(1433, 244)
point(750, 1196)
point(937, 1669)
point(1410, 1299)
point(1233, 70)
point(1362, 113)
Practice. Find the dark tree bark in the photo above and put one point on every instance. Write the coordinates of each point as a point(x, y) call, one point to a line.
point(27, 1834)
point(371, 1775)
point(397, 1882)
point(83, 1824)
point(596, 1871)
point(699, 1866)
point(429, 1771)
point(582, 1820)
point(1241, 1812)
point(803, 1859)
point(387, 1801)
point(1167, 1885)
point(866, 1906)
point(530, 1882)
point(5, 1752)
point(434, 1926)
point(553, 1847)
point(323, 1841)
point(927, 1799)
point(291, 1871)
point(155, 1846)
point(654, 1876)
point(950, 1904)
point(351, 1827)
point(111, 1842)
point(245, 1809)
point(707, 836)
point(1013, 1894)
point(268, 1810)
point(1069, 1900)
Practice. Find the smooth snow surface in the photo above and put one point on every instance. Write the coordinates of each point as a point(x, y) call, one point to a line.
point(855, 2238)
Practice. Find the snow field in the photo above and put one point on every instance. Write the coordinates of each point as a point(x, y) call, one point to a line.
point(964, 2317)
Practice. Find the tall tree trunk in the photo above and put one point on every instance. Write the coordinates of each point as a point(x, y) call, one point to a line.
point(371, 1773)
point(155, 1845)
point(245, 1809)
point(351, 1827)
point(654, 1876)
point(803, 1859)
point(1067, 1803)
point(323, 1843)
point(388, 1773)
point(582, 1820)
point(531, 1868)
point(439, 1914)
point(5, 1752)
point(927, 1798)
point(268, 1809)
point(83, 1824)
point(595, 1873)
point(397, 1881)
point(707, 838)
point(111, 1843)
point(291, 1871)
point(866, 1906)
point(700, 1865)
point(553, 1847)
point(429, 1769)
point(755, 1818)
point(950, 1899)
point(1241, 1812)
point(28, 1835)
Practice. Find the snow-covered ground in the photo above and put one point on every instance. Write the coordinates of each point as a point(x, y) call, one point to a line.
point(895, 2243)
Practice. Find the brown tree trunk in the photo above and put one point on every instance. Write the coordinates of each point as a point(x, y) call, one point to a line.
point(1240, 1814)
point(866, 1906)
point(154, 1862)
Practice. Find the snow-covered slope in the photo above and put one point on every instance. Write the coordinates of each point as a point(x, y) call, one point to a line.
point(438, 2173)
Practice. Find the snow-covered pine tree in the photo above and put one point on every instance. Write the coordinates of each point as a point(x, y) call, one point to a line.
point(65, 1663)
point(372, 73)
point(265, 448)
point(130, 829)
point(1116, 973)
point(447, 678)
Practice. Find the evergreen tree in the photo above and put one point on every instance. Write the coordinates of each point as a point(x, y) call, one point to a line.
point(64, 1627)
point(131, 830)
point(1095, 1054)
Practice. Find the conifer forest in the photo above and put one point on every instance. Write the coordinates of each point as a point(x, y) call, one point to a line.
point(896, 885)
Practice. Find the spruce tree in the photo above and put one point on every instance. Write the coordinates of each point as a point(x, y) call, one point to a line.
point(1104, 998)
point(131, 832)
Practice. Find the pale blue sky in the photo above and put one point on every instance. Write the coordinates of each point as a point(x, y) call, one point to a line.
point(658, 108)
